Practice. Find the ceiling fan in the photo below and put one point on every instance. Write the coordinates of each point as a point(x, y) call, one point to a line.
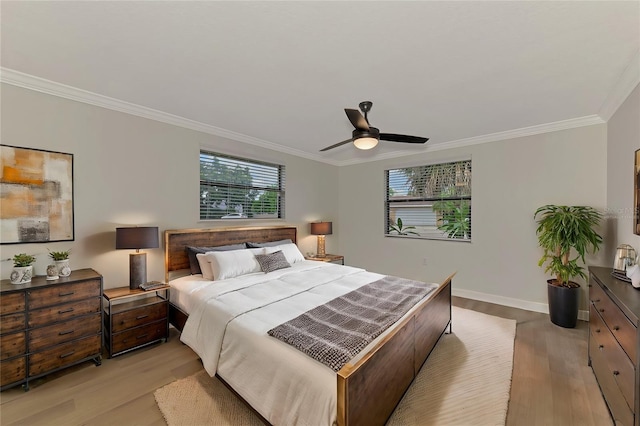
point(365, 136)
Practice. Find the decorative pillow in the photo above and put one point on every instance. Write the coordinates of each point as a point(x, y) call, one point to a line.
point(194, 265)
point(269, 244)
point(290, 251)
point(229, 264)
point(273, 261)
point(205, 266)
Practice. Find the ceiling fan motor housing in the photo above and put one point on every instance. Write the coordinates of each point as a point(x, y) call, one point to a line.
point(371, 133)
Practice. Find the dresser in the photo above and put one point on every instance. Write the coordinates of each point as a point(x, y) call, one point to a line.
point(614, 343)
point(46, 326)
point(135, 318)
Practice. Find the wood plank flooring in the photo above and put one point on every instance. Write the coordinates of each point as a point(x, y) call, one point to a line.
point(552, 384)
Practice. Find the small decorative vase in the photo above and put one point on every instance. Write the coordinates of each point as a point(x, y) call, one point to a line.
point(63, 267)
point(21, 274)
point(52, 272)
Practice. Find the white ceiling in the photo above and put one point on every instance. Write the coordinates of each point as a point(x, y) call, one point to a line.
point(279, 74)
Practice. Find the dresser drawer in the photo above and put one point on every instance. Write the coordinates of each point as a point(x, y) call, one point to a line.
point(52, 335)
point(46, 316)
point(12, 303)
point(617, 322)
point(13, 344)
point(63, 293)
point(12, 322)
point(64, 354)
point(139, 336)
point(619, 409)
point(13, 370)
point(139, 316)
point(618, 365)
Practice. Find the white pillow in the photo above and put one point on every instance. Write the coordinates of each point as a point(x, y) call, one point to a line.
point(205, 266)
point(290, 251)
point(229, 264)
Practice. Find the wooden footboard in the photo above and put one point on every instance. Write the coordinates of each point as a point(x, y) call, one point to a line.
point(369, 390)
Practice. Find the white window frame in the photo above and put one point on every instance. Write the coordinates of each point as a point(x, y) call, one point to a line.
point(440, 212)
point(266, 188)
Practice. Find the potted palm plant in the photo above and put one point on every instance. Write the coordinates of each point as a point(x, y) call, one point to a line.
point(563, 230)
point(22, 268)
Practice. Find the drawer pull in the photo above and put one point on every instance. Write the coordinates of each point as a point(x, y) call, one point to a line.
point(597, 330)
point(596, 301)
point(66, 311)
point(601, 310)
point(62, 333)
point(67, 354)
point(66, 294)
point(141, 316)
point(616, 328)
point(616, 372)
point(601, 347)
point(142, 336)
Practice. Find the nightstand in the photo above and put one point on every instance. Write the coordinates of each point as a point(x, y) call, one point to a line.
point(331, 258)
point(135, 318)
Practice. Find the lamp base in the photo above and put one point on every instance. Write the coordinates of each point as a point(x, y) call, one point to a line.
point(137, 270)
point(320, 250)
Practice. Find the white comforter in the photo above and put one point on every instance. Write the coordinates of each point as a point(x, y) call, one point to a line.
point(228, 326)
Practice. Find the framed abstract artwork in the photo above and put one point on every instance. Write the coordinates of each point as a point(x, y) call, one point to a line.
point(636, 192)
point(36, 196)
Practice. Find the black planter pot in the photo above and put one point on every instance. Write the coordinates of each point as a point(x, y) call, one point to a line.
point(563, 305)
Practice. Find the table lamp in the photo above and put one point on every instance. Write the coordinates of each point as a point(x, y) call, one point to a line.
point(321, 229)
point(137, 238)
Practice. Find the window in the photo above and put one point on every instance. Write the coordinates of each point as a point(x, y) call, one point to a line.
point(237, 188)
point(432, 201)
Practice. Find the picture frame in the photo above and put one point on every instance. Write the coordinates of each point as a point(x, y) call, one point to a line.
point(636, 191)
point(36, 195)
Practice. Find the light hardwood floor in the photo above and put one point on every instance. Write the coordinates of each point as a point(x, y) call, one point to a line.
point(552, 384)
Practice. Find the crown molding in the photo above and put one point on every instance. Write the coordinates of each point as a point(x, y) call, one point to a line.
point(628, 81)
point(494, 137)
point(27, 81)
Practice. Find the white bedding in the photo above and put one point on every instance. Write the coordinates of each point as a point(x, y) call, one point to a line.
point(228, 324)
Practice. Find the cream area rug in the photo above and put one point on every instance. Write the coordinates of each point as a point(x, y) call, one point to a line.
point(465, 381)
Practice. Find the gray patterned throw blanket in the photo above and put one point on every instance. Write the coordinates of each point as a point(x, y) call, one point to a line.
point(338, 330)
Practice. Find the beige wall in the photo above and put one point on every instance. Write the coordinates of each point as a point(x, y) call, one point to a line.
point(133, 171)
point(511, 178)
point(623, 139)
point(129, 170)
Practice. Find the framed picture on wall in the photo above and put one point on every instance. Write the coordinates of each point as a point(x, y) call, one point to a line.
point(36, 196)
point(636, 191)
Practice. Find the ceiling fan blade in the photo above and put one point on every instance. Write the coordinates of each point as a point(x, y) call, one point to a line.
point(336, 145)
point(356, 118)
point(392, 137)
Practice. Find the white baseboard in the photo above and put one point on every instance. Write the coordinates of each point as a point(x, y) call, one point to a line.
point(511, 302)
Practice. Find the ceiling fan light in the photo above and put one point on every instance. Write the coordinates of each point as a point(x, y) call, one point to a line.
point(365, 143)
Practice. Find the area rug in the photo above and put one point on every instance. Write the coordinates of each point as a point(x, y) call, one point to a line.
point(465, 381)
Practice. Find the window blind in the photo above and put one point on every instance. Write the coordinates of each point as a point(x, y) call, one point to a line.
point(239, 188)
point(431, 201)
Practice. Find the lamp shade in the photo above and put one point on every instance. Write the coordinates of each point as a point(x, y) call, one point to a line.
point(321, 228)
point(137, 237)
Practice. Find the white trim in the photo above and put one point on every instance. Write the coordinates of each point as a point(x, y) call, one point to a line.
point(628, 81)
point(49, 87)
point(38, 84)
point(494, 137)
point(511, 302)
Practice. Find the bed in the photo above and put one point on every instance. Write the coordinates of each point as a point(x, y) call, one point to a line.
point(366, 390)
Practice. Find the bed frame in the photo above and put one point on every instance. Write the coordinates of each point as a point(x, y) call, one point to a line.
point(369, 390)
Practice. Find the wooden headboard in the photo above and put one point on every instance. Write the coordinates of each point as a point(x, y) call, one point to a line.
point(176, 261)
